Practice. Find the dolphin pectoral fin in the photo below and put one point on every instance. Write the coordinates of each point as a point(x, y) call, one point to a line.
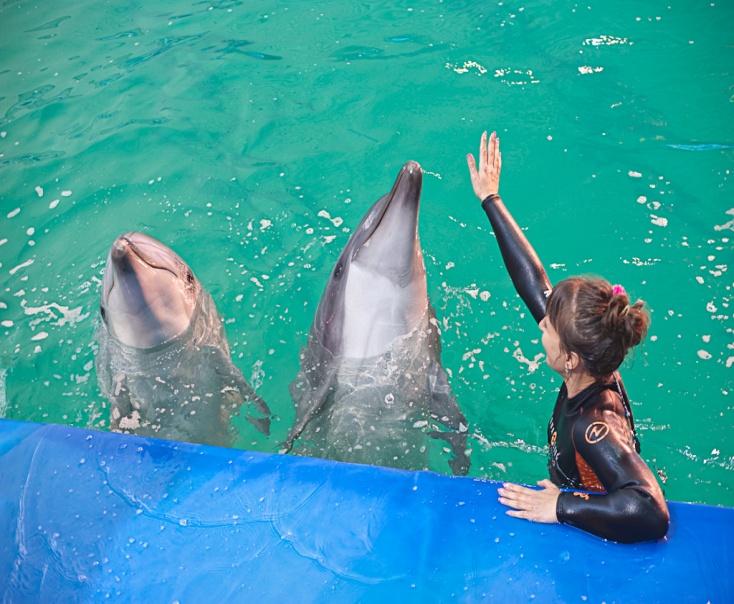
point(317, 402)
point(442, 403)
point(307, 409)
point(119, 398)
point(460, 462)
point(262, 424)
point(444, 408)
point(230, 373)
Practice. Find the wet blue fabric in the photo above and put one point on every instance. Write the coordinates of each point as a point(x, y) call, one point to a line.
point(90, 516)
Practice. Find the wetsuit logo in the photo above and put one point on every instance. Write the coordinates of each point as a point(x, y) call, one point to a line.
point(582, 495)
point(596, 432)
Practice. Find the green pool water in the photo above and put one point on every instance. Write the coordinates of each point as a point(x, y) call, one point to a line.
point(252, 136)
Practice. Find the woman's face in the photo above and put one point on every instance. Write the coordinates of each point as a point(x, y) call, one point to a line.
point(552, 344)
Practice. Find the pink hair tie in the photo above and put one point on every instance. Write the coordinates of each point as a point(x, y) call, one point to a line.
point(618, 290)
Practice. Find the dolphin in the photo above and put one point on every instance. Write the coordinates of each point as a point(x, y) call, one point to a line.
point(371, 388)
point(163, 359)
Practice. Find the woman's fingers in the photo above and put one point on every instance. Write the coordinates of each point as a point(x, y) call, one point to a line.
point(472, 166)
point(484, 171)
point(494, 151)
point(531, 504)
point(515, 495)
point(496, 155)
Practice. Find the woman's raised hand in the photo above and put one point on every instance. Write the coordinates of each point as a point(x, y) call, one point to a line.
point(486, 179)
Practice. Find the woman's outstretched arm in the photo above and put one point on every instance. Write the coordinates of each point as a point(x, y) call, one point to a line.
point(522, 263)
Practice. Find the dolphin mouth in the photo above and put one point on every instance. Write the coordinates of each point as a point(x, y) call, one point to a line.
point(125, 242)
point(407, 188)
point(120, 255)
point(123, 252)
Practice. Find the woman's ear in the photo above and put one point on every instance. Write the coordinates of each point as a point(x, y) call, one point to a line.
point(572, 361)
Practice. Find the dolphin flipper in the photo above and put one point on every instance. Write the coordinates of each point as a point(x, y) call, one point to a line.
point(305, 413)
point(121, 407)
point(233, 378)
point(443, 407)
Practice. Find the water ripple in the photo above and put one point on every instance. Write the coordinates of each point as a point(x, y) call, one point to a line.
point(31, 158)
point(49, 25)
point(33, 100)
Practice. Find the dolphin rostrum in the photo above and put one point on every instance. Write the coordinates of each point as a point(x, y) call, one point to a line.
point(371, 388)
point(163, 359)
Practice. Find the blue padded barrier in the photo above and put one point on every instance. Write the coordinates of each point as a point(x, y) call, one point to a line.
point(90, 516)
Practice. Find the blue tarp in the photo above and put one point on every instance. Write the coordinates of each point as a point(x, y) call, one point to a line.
point(90, 516)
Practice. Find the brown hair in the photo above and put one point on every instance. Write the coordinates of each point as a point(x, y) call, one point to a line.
point(596, 324)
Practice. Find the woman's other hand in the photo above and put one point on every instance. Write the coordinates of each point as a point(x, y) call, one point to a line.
point(531, 504)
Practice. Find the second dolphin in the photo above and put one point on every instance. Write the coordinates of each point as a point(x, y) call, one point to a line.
point(163, 359)
point(371, 388)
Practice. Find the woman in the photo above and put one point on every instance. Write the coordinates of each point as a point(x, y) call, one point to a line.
point(588, 326)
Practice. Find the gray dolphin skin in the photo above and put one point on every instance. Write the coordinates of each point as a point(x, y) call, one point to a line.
point(163, 360)
point(371, 388)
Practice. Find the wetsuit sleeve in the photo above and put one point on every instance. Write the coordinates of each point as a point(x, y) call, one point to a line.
point(634, 508)
point(522, 263)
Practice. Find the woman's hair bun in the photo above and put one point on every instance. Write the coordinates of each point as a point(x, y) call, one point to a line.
point(625, 322)
point(596, 321)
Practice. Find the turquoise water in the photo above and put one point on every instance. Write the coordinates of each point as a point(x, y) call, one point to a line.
point(250, 137)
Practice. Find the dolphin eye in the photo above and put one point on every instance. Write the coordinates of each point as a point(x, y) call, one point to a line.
point(189, 276)
point(338, 270)
point(103, 312)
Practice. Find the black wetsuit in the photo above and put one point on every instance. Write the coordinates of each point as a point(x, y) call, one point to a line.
point(592, 440)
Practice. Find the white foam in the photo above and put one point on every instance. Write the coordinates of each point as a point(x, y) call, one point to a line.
point(467, 66)
point(337, 222)
point(604, 40)
point(727, 225)
point(61, 314)
point(20, 266)
point(130, 423)
point(532, 365)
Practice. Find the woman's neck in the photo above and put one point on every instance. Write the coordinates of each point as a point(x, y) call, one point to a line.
point(577, 381)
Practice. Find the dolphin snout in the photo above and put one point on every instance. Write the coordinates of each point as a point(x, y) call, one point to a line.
point(121, 246)
point(412, 166)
